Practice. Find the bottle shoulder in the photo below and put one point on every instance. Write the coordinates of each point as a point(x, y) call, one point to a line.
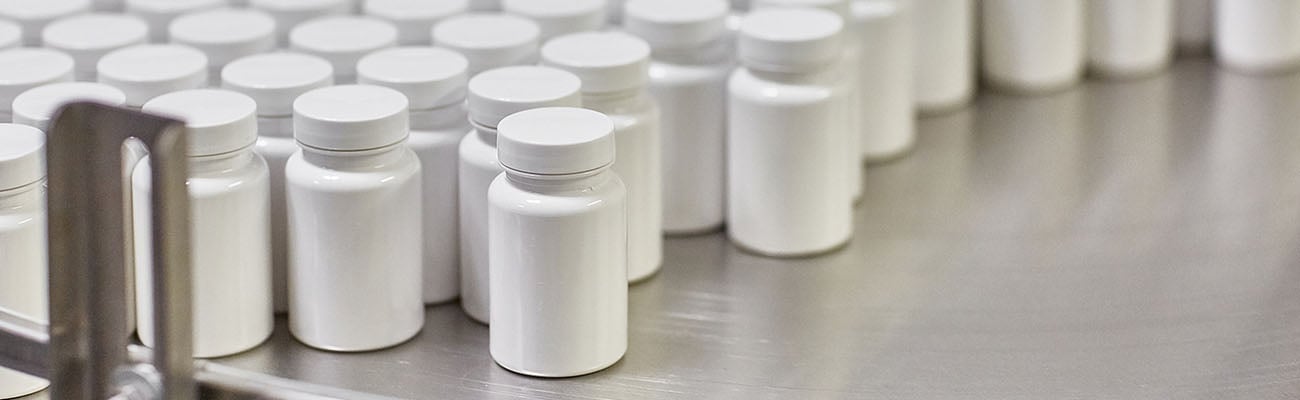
point(474, 151)
point(746, 85)
point(396, 171)
point(245, 172)
point(673, 74)
point(420, 138)
point(608, 192)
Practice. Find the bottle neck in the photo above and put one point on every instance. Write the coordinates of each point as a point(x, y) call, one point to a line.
point(610, 102)
point(713, 52)
point(280, 126)
point(354, 160)
point(446, 117)
point(221, 162)
point(21, 197)
point(486, 133)
point(558, 183)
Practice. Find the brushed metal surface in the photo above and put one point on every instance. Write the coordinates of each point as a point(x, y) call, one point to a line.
point(1136, 239)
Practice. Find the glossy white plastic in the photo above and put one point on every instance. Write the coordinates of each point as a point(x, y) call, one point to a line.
point(34, 15)
point(22, 239)
point(1129, 38)
point(230, 226)
point(343, 41)
point(434, 81)
point(160, 13)
point(559, 17)
point(87, 38)
point(559, 261)
point(1257, 35)
point(224, 35)
point(274, 80)
point(11, 35)
point(1194, 27)
point(36, 106)
point(493, 95)
point(1032, 46)
point(889, 114)
point(945, 54)
point(414, 19)
point(24, 68)
point(787, 109)
point(490, 40)
point(147, 71)
point(354, 221)
point(289, 13)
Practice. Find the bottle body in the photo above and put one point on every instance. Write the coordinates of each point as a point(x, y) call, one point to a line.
point(558, 276)
point(275, 146)
point(1033, 46)
point(355, 242)
point(23, 261)
point(692, 101)
point(438, 150)
point(231, 255)
point(638, 165)
point(1257, 35)
point(888, 119)
point(796, 206)
point(944, 57)
point(1129, 38)
point(478, 167)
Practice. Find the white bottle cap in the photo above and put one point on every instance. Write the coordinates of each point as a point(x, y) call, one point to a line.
point(225, 34)
point(497, 93)
point(489, 40)
point(676, 24)
point(147, 71)
point(556, 141)
point(842, 8)
point(11, 35)
point(429, 77)
point(24, 68)
point(414, 19)
point(160, 13)
point(343, 41)
point(559, 17)
point(89, 37)
point(605, 61)
point(36, 106)
point(274, 80)
point(22, 155)
point(216, 121)
point(350, 118)
point(34, 15)
point(790, 39)
point(290, 13)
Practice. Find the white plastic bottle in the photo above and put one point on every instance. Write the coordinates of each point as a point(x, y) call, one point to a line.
point(434, 81)
point(22, 239)
point(289, 13)
point(35, 15)
point(1128, 38)
point(614, 68)
point(493, 95)
point(229, 220)
point(614, 12)
point(690, 62)
point(1257, 35)
point(889, 114)
point(36, 106)
point(109, 5)
point(1194, 28)
point(414, 19)
point(274, 80)
point(1032, 46)
point(489, 40)
point(343, 41)
point(137, 71)
point(782, 107)
point(160, 13)
point(559, 17)
point(224, 35)
point(24, 68)
point(559, 261)
point(484, 5)
point(945, 54)
point(354, 221)
point(87, 38)
point(11, 35)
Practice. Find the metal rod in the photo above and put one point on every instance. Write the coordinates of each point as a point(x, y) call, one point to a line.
point(173, 324)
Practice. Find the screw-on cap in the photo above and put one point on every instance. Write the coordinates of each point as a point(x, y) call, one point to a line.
point(11, 35)
point(25, 68)
point(842, 8)
point(605, 61)
point(790, 39)
point(429, 77)
point(489, 40)
point(160, 13)
point(559, 17)
point(497, 93)
point(274, 80)
point(414, 19)
point(555, 141)
point(89, 37)
point(676, 24)
point(36, 106)
point(343, 41)
point(289, 13)
point(147, 71)
point(350, 118)
point(216, 121)
point(34, 15)
point(225, 34)
point(22, 155)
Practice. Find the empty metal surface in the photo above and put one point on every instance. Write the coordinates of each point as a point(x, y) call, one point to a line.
point(1136, 239)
